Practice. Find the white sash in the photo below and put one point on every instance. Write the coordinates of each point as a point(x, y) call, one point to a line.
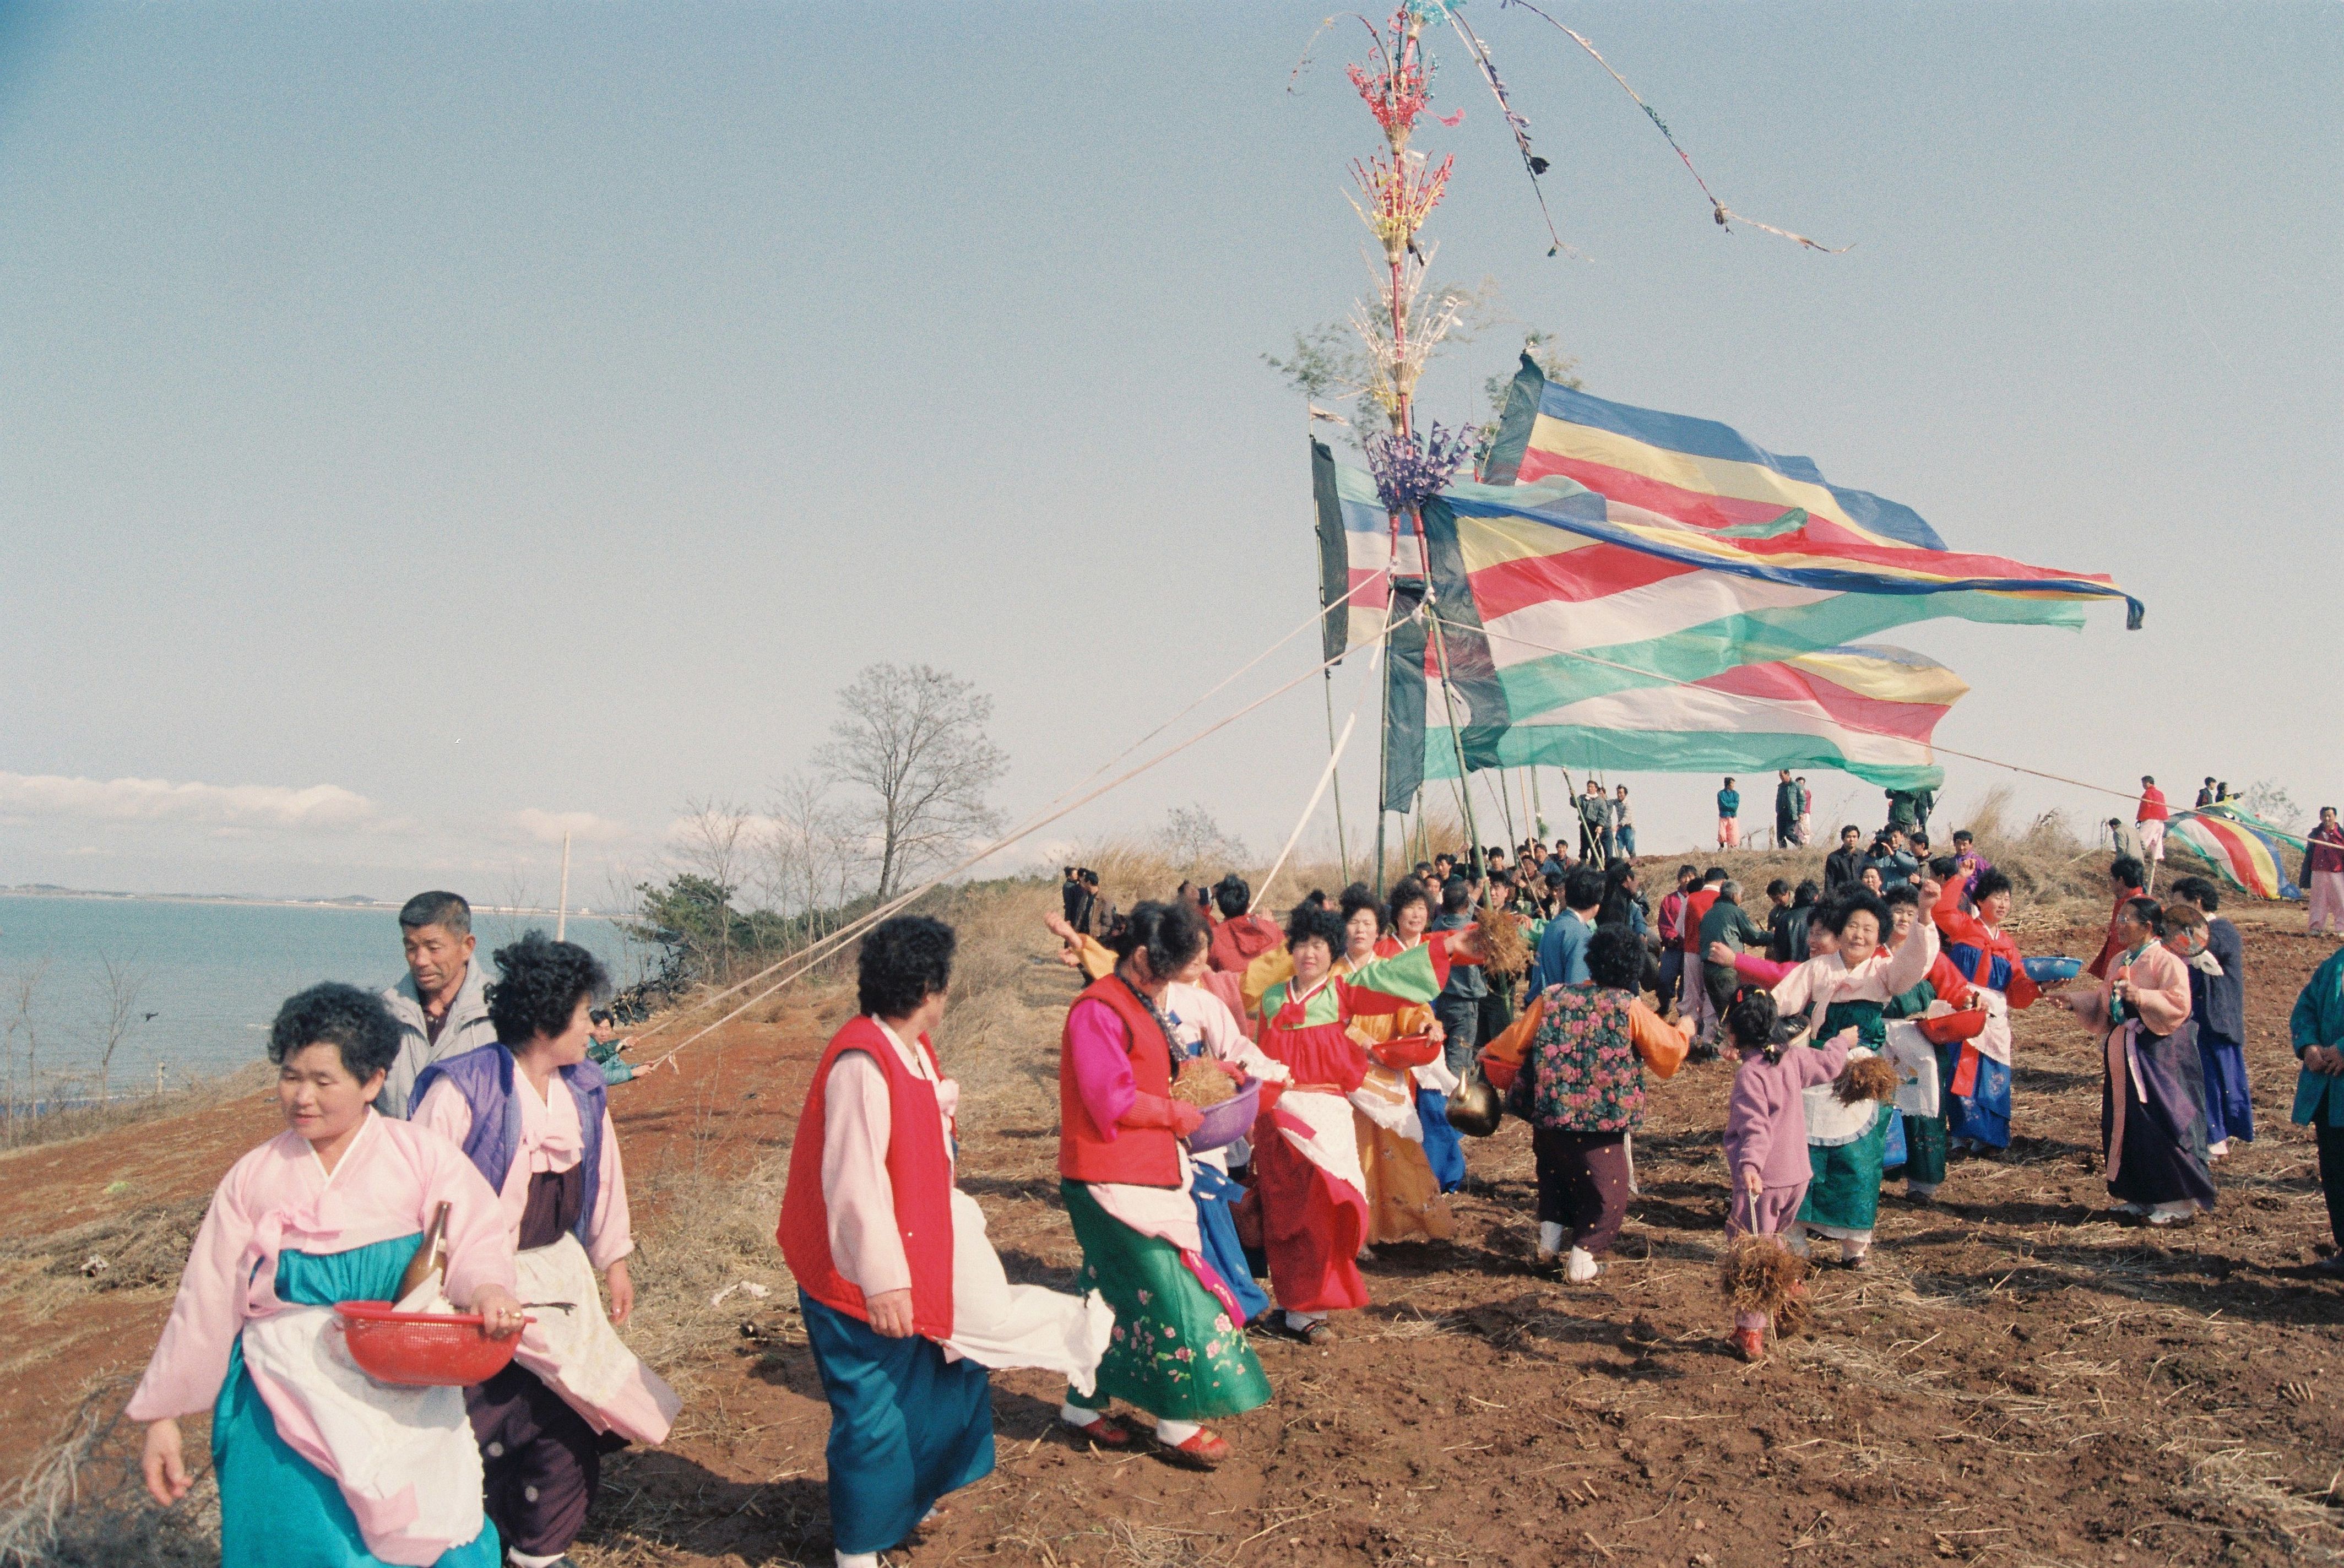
point(1332, 1144)
point(1003, 1326)
point(1916, 1060)
point(580, 1356)
point(1830, 1122)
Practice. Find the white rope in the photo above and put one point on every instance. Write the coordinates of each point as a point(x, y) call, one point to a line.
point(809, 957)
point(1303, 820)
point(1032, 823)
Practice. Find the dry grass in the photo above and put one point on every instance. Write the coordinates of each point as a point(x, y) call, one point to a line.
point(84, 1122)
point(82, 1506)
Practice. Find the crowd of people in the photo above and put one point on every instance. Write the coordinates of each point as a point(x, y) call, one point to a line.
point(1863, 1013)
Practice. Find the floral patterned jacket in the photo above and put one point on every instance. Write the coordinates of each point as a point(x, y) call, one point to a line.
point(1584, 1073)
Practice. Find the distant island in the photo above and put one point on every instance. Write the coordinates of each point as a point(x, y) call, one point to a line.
point(346, 901)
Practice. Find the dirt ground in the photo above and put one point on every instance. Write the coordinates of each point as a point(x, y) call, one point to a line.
point(2016, 1378)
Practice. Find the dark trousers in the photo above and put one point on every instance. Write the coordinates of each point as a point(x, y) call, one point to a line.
point(1671, 972)
point(1582, 1183)
point(1461, 1023)
point(2331, 1173)
point(1498, 1010)
point(543, 1460)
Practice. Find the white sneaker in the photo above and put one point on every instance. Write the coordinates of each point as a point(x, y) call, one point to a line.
point(2217, 1151)
point(1581, 1266)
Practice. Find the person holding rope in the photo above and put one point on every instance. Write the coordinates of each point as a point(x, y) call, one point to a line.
point(1315, 1213)
point(1179, 1348)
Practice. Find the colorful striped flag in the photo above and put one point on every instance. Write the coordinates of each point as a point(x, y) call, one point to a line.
point(1869, 710)
point(2251, 854)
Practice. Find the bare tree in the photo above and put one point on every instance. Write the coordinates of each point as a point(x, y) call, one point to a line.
point(714, 840)
point(1193, 841)
point(912, 744)
point(810, 858)
point(119, 1014)
point(24, 995)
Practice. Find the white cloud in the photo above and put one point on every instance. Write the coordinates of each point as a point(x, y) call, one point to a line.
point(583, 826)
point(318, 808)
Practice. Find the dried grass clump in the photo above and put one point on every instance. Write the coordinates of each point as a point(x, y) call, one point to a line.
point(1202, 1084)
point(1867, 1078)
point(1759, 1274)
point(1499, 935)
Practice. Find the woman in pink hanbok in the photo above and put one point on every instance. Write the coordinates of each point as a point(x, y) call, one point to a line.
point(319, 1464)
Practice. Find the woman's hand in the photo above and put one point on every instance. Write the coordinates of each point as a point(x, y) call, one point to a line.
point(499, 1309)
point(161, 1463)
point(1751, 1183)
point(890, 1314)
point(1719, 952)
point(2323, 1059)
point(1436, 1034)
point(623, 1291)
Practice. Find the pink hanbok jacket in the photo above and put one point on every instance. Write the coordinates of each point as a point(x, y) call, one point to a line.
point(279, 1198)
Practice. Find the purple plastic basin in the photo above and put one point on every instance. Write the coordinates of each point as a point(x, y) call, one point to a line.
point(1228, 1121)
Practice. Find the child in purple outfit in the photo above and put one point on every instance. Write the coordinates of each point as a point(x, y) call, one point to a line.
point(1766, 1132)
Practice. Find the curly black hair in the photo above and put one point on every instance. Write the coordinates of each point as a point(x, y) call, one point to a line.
point(1233, 896)
point(1358, 896)
point(2123, 868)
point(903, 963)
point(1751, 1019)
point(1171, 934)
point(355, 1022)
point(1991, 881)
point(1309, 921)
point(1409, 893)
point(1853, 901)
point(541, 983)
point(1616, 958)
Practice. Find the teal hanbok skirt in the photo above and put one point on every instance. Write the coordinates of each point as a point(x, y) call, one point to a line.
point(277, 1509)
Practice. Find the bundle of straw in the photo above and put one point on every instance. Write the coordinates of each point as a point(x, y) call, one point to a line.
point(1759, 1274)
point(1202, 1084)
point(1867, 1078)
point(1498, 937)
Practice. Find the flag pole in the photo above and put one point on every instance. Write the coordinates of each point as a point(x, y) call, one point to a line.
point(562, 914)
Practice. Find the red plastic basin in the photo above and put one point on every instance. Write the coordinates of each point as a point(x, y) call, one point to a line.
point(1408, 1051)
point(421, 1349)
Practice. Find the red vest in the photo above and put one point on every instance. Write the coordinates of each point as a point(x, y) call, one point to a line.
point(1137, 1156)
point(919, 1170)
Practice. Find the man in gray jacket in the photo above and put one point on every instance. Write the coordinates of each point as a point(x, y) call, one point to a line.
point(439, 1004)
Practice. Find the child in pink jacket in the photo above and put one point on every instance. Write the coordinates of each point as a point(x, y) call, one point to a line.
point(1766, 1132)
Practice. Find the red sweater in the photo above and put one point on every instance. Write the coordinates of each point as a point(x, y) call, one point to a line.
point(919, 1173)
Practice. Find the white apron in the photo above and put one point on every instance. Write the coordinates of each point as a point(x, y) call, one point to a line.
point(404, 1458)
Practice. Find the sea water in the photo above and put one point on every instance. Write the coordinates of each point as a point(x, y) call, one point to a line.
point(211, 975)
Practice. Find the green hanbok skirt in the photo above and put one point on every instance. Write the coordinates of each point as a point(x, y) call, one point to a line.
point(1176, 1351)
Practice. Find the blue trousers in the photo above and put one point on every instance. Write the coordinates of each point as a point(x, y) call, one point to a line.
point(906, 1427)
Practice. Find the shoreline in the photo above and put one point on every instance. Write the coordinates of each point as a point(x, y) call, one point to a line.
point(253, 901)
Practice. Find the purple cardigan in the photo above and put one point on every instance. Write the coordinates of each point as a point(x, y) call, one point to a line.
point(485, 1079)
point(1766, 1118)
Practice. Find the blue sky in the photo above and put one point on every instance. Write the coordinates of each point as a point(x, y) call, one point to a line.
point(424, 425)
